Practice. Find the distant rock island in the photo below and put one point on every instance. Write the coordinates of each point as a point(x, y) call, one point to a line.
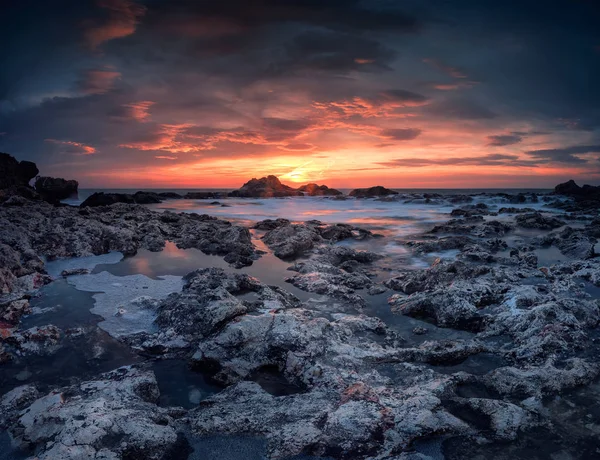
point(372, 192)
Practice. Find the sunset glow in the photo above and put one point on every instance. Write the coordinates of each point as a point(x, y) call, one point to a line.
point(159, 96)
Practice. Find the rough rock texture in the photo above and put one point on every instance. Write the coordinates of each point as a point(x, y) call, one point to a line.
point(538, 221)
point(15, 177)
point(575, 243)
point(14, 173)
point(113, 417)
point(337, 272)
point(372, 192)
point(266, 187)
point(39, 229)
point(106, 199)
point(55, 189)
point(319, 190)
point(292, 240)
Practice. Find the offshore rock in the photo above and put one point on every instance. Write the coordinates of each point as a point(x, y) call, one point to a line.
point(54, 190)
point(319, 190)
point(266, 187)
point(372, 192)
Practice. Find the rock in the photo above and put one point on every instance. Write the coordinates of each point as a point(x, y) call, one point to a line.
point(266, 187)
point(575, 243)
point(14, 173)
point(112, 417)
point(106, 199)
point(54, 190)
point(372, 192)
point(319, 190)
point(146, 198)
point(269, 224)
point(74, 272)
point(170, 196)
point(568, 188)
point(538, 221)
point(40, 229)
point(289, 241)
point(202, 195)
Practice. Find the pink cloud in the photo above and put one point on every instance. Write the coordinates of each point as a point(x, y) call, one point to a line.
point(122, 21)
point(75, 148)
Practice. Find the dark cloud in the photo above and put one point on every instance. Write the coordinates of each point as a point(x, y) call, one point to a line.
point(565, 155)
point(97, 81)
point(401, 134)
point(461, 109)
point(335, 51)
point(500, 140)
point(484, 160)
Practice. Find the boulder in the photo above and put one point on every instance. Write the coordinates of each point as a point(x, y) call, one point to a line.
point(106, 199)
point(54, 189)
point(371, 192)
point(319, 190)
point(14, 173)
point(266, 187)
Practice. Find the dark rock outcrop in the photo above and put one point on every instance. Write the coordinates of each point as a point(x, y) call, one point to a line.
point(266, 187)
point(15, 177)
point(14, 173)
point(55, 189)
point(586, 197)
point(106, 199)
point(371, 192)
point(202, 195)
point(319, 190)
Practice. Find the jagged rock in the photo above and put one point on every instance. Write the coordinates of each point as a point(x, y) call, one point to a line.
point(170, 196)
point(14, 173)
point(538, 221)
point(319, 190)
point(112, 417)
point(575, 243)
point(266, 187)
point(290, 241)
point(106, 199)
point(455, 306)
point(202, 195)
point(61, 232)
point(54, 190)
point(270, 224)
point(371, 192)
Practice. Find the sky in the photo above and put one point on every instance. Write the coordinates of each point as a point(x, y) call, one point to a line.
point(349, 93)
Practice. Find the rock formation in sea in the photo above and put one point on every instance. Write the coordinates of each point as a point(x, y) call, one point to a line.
point(54, 189)
point(319, 190)
point(371, 192)
point(266, 187)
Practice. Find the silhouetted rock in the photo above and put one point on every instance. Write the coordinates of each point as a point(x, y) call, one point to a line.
point(14, 173)
point(55, 189)
point(202, 195)
point(106, 199)
point(568, 188)
point(266, 187)
point(319, 190)
point(170, 196)
point(370, 192)
point(146, 198)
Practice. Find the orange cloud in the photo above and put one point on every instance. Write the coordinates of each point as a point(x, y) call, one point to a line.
point(76, 148)
point(122, 21)
point(138, 110)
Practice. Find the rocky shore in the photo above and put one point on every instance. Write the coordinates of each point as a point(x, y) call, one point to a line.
point(375, 360)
